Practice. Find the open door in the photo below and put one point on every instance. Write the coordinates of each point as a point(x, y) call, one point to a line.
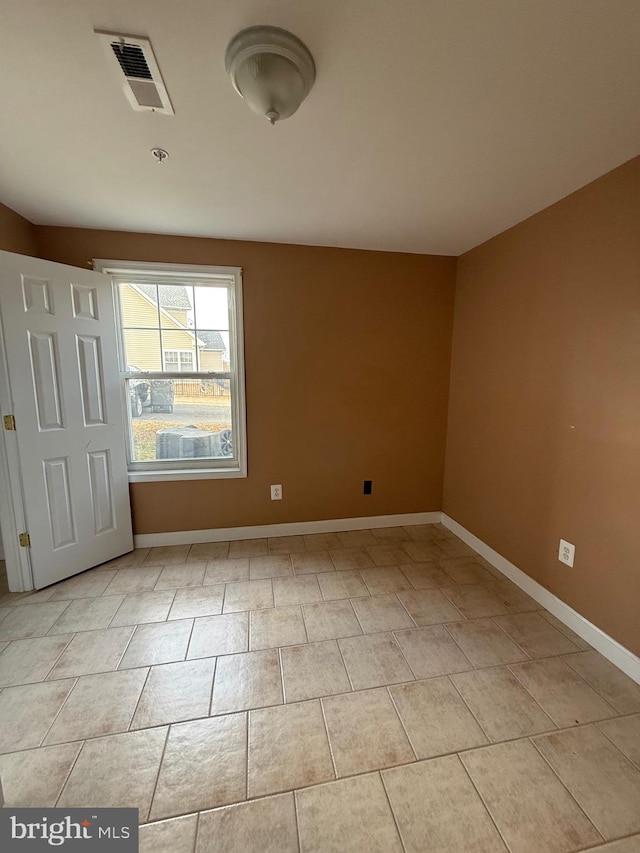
point(58, 325)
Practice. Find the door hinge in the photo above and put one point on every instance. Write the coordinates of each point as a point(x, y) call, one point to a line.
point(9, 423)
point(25, 540)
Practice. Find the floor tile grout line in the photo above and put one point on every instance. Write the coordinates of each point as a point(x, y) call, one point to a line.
point(57, 660)
point(373, 633)
point(279, 791)
point(524, 686)
point(237, 711)
point(519, 645)
point(399, 715)
point(565, 786)
point(193, 625)
point(160, 763)
point(213, 681)
point(470, 709)
point(127, 644)
point(313, 699)
point(196, 833)
point(475, 666)
point(145, 564)
point(71, 769)
point(521, 682)
point(282, 684)
point(585, 679)
point(249, 631)
point(618, 749)
point(451, 637)
point(633, 835)
point(507, 634)
point(391, 809)
point(46, 633)
point(78, 679)
point(316, 784)
point(247, 740)
point(355, 613)
point(483, 801)
point(349, 776)
point(564, 629)
point(93, 598)
point(404, 658)
point(397, 597)
point(57, 714)
point(344, 664)
point(326, 731)
point(296, 819)
point(135, 710)
point(166, 618)
point(447, 589)
point(333, 563)
point(304, 620)
point(556, 657)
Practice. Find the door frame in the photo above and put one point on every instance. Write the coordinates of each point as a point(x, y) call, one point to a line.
point(12, 514)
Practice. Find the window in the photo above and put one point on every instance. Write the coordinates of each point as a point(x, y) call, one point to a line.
point(181, 369)
point(178, 361)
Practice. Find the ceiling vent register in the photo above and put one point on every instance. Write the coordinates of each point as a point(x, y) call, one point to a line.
point(135, 64)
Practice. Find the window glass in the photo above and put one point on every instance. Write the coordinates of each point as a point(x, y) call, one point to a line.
point(180, 372)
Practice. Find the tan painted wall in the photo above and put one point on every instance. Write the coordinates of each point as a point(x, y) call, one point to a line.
point(17, 234)
point(376, 411)
point(544, 418)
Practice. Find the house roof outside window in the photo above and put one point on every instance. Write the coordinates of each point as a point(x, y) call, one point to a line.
point(171, 295)
point(211, 341)
point(175, 296)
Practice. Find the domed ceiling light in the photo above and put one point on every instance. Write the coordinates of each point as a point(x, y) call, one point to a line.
point(271, 69)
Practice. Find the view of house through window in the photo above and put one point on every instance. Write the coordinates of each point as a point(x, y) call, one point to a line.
point(179, 353)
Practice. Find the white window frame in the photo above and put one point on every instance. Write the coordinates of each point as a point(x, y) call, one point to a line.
point(186, 469)
point(179, 353)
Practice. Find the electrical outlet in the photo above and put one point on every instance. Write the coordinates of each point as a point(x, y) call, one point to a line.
point(566, 552)
point(276, 493)
point(368, 487)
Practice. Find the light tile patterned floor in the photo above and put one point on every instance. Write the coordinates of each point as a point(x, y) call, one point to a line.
point(371, 690)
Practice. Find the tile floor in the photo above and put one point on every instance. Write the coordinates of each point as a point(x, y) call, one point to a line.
point(380, 690)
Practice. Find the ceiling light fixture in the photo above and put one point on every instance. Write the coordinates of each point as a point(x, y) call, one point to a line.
point(271, 69)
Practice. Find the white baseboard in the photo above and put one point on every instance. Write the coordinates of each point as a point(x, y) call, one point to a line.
point(606, 645)
point(294, 528)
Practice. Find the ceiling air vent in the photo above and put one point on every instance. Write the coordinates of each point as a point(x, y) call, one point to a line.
point(133, 60)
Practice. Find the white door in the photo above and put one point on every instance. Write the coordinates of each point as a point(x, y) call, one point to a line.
point(60, 348)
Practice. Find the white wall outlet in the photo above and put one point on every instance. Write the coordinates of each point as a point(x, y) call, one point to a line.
point(566, 552)
point(276, 493)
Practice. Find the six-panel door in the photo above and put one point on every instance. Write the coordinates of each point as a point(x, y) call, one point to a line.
point(60, 341)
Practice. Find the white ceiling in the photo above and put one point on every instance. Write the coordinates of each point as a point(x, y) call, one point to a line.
point(432, 126)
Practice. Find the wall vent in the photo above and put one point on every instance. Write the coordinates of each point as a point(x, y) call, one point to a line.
point(135, 64)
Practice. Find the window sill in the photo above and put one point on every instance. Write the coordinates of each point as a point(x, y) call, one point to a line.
point(196, 474)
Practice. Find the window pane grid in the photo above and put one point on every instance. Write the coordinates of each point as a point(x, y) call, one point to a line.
point(183, 402)
point(175, 374)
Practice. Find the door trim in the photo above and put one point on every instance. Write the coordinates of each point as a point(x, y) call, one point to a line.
point(12, 515)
